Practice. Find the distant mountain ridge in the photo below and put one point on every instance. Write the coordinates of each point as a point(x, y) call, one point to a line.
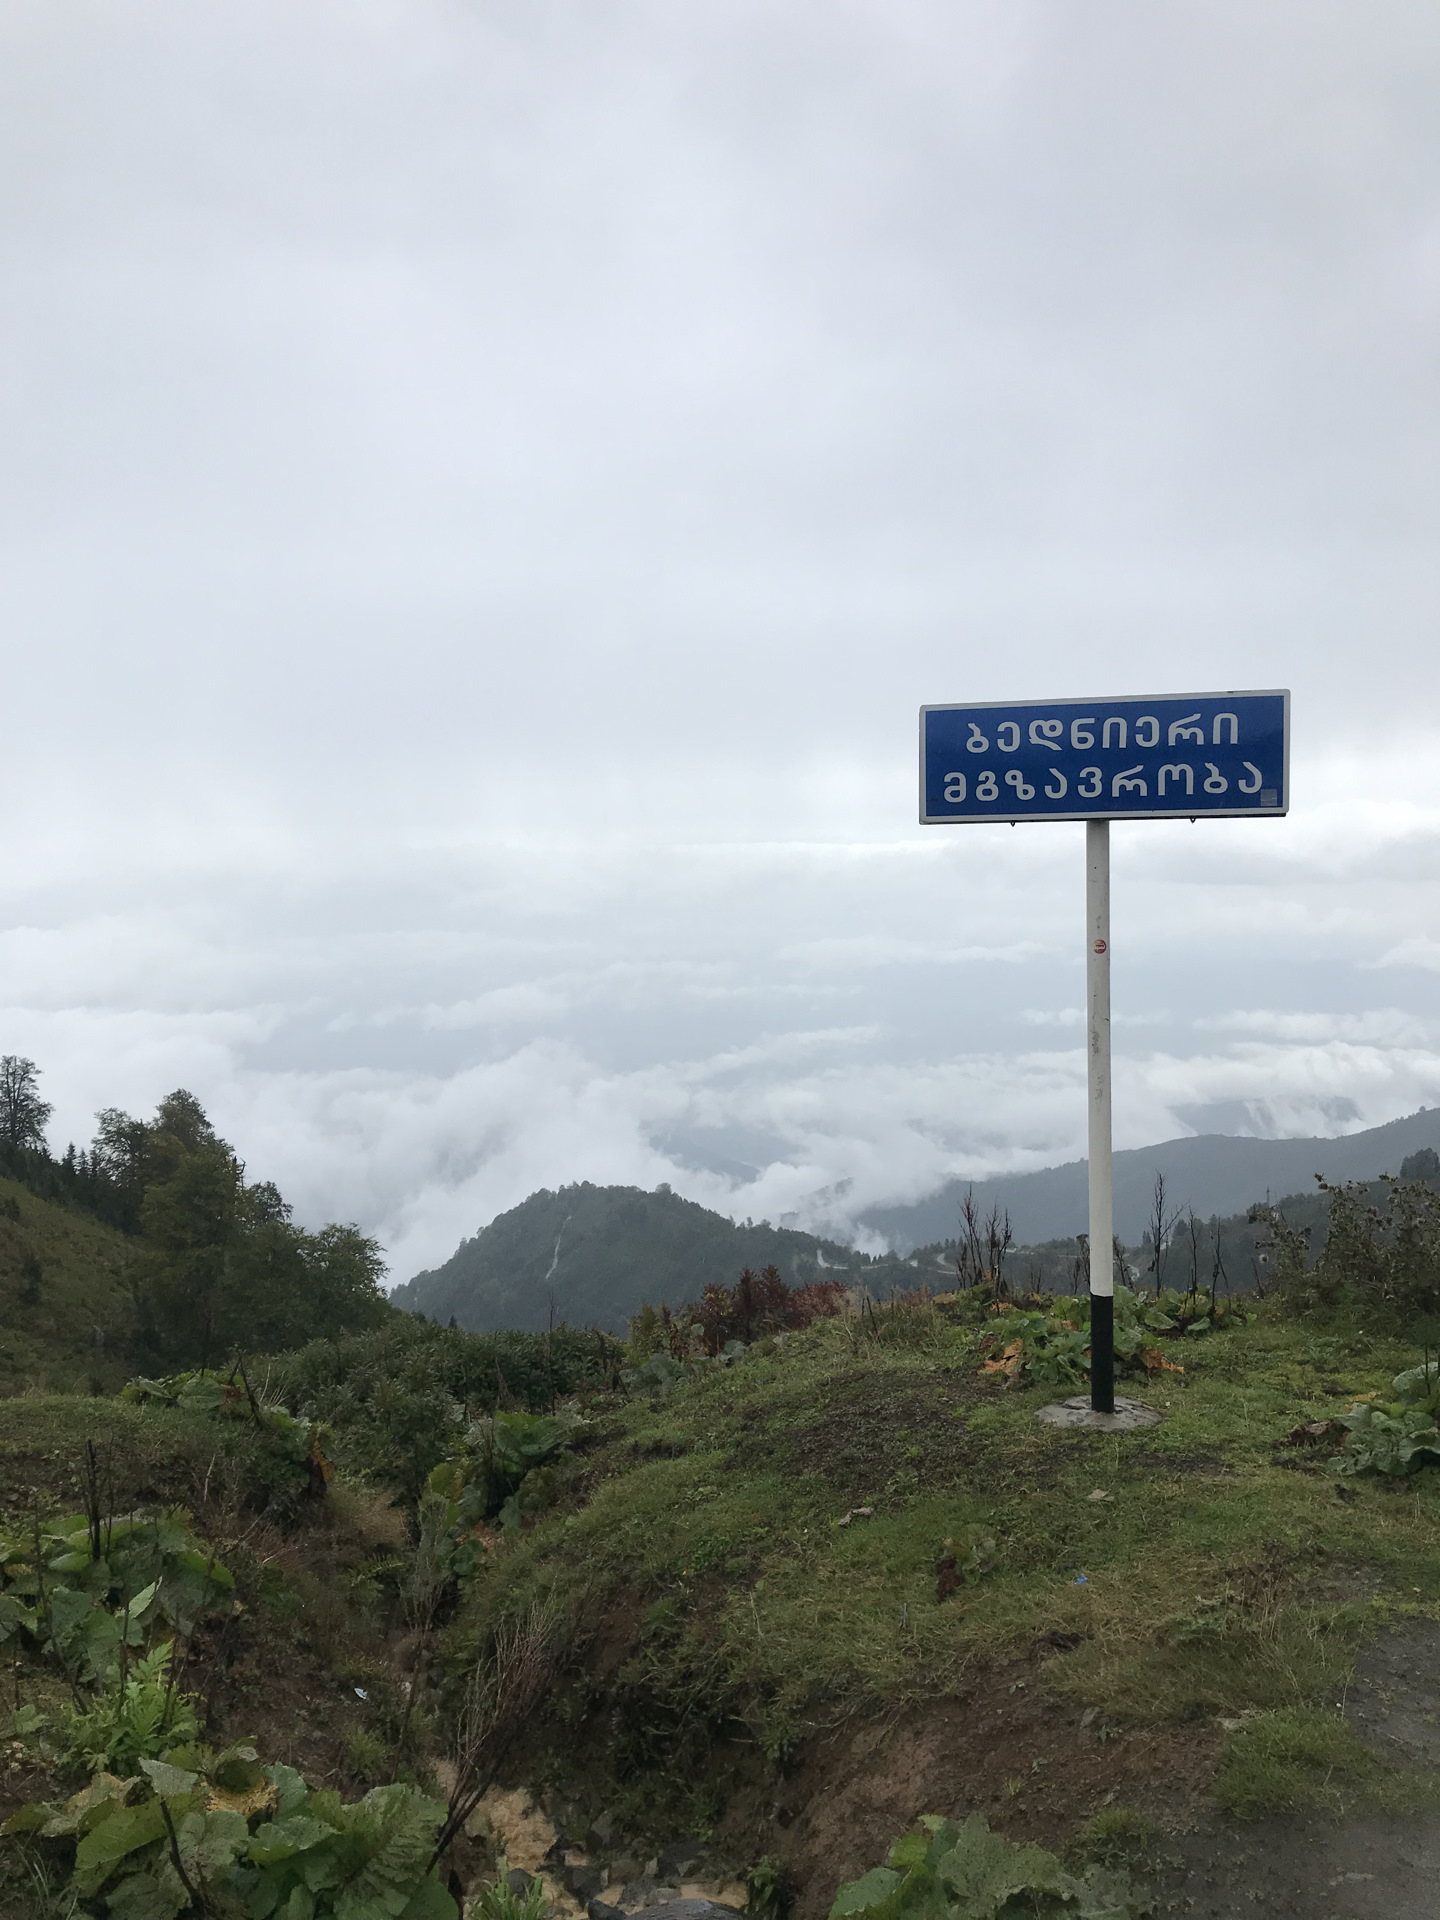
point(596, 1254)
point(592, 1255)
point(1212, 1172)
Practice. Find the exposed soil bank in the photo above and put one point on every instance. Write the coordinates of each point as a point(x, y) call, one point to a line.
point(1033, 1768)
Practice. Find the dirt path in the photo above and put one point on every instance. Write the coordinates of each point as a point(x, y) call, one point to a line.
point(1380, 1867)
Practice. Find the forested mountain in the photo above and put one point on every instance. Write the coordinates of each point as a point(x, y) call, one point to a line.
point(592, 1255)
point(189, 1260)
point(1213, 1173)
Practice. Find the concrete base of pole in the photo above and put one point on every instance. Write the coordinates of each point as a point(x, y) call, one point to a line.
point(1078, 1412)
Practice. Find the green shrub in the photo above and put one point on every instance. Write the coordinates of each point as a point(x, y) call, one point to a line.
point(290, 1464)
point(647, 1333)
point(1385, 1256)
point(137, 1716)
point(505, 1449)
point(31, 1275)
point(662, 1373)
point(499, 1474)
point(1287, 1248)
point(223, 1834)
point(399, 1400)
point(770, 1894)
point(87, 1590)
point(947, 1872)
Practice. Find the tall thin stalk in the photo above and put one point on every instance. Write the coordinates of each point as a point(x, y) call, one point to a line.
point(503, 1692)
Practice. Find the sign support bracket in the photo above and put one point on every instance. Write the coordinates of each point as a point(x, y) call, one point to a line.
point(1097, 1066)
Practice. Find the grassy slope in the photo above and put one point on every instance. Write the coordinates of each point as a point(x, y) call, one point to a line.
point(49, 1343)
point(744, 1664)
point(729, 1611)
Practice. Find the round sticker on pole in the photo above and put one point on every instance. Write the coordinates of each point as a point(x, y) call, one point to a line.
point(1100, 946)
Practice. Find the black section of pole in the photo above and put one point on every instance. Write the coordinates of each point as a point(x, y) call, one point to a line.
point(1102, 1353)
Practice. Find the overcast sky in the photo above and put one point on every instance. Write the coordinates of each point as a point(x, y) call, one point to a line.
point(486, 488)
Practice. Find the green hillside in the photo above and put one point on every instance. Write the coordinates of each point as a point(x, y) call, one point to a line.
point(151, 1249)
point(592, 1255)
point(67, 1316)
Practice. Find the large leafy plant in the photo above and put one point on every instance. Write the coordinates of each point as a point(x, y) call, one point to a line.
point(1399, 1435)
point(945, 1871)
point(1050, 1345)
point(198, 1832)
point(88, 1590)
point(495, 1476)
point(91, 1593)
point(657, 1375)
point(510, 1444)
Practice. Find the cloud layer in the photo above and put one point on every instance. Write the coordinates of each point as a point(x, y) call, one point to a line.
point(487, 488)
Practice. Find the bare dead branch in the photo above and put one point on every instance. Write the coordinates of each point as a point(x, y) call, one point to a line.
point(504, 1689)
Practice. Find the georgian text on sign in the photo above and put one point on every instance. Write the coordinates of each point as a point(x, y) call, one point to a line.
point(1192, 754)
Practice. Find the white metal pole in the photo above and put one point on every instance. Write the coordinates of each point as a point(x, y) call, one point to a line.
point(1097, 985)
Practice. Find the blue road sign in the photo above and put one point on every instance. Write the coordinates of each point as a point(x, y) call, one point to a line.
point(1176, 755)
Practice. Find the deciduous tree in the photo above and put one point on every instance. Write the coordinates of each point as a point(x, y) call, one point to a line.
point(24, 1116)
